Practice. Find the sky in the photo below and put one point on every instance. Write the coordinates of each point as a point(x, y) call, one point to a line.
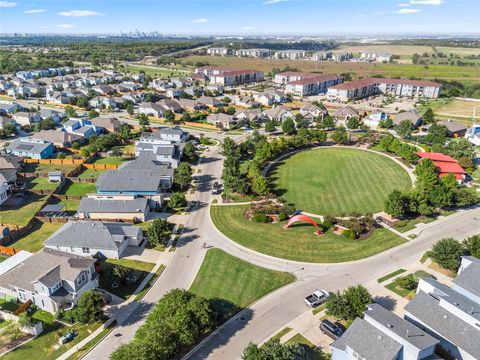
point(243, 17)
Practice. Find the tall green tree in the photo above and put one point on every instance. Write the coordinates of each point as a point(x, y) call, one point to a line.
point(404, 129)
point(89, 308)
point(159, 232)
point(288, 126)
point(350, 304)
point(260, 186)
point(183, 175)
point(397, 204)
point(447, 253)
point(340, 135)
point(273, 350)
point(270, 126)
point(428, 116)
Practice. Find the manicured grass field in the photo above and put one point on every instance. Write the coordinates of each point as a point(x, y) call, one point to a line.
point(40, 183)
point(233, 283)
point(155, 71)
point(33, 242)
point(336, 181)
point(78, 189)
point(22, 213)
point(299, 242)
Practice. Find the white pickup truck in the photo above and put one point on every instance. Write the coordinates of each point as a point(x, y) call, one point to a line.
point(317, 298)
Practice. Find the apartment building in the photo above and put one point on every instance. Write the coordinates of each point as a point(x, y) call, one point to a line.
point(312, 85)
point(376, 56)
point(321, 56)
point(290, 54)
point(229, 76)
point(218, 51)
point(358, 89)
point(255, 53)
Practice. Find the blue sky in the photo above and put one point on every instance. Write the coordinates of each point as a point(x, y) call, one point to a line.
point(247, 17)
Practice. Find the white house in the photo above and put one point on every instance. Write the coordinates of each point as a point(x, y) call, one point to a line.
point(473, 135)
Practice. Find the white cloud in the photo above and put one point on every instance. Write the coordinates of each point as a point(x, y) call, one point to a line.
point(270, 2)
point(42, 27)
point(200, 21)
point(248, 27)
point(66, 26)
point(407, 11)
point(426, 2)
point(34, 11)
point(79, 13)
point(404, 4)
point(7, 4)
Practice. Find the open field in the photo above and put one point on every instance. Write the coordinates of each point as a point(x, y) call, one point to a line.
point(456, 108)
point(298, 243)
point(233, 284)
point(359, 69)
point(33, 241)
point(336, 181)
point(155, 70)
point(458, 51)
point(388, 48)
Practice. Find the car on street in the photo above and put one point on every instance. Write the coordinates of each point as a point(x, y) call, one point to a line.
point(317, 298)
point(330, 329)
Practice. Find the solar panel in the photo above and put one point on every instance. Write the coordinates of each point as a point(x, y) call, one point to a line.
point(25, 147)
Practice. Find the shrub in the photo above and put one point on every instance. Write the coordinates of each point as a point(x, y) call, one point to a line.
point(282, 216)
point(408, 282)
point(260, 218)
point(350, 234)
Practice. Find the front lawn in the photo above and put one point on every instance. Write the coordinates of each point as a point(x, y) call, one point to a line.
point(33, 241)
point(124, 289)
point(78, 189)
point(45, 345)
point(22, 213)
point(333, 181)
point(311, 351)
point(397, 285)
point(407, 225)
point(298, 243)
point(233, 284)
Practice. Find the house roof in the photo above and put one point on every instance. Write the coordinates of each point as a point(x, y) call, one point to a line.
point(46, 264)
point(449, 167)
point(92, 205)
point(56, 136)
point(436, 157)
point(10, 162)
point(356, 84)
point(345, 111)
point(25, 145)
point(411, 116)
point(453, 126)
point(400, 327)
point(92, 234)
point(469, 278)
point(368, 341)
point(314, 79)
point(427, 308)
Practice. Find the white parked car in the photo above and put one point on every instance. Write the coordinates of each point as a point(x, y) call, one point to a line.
point(317, 298)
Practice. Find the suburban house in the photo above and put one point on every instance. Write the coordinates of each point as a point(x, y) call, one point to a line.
point(100, 207)
point(59, 139)
point(94, 238)
point(50, 279)
point(473, 135)
point(245, 101)
point(82, 127)
point(279, 113)
point(343, 114)
point(6, 121)
point(142, 177)
point(104, 90)
point(171, 105)
point(374, 118)
point(9, 166)
point(8, 108)
point(191, 105)
point(415, 118)
point(222, 121)
point(451, 314)
point(102, 101)
point(256, 115)
point(455, 128)
point(382, 335)
point(58, 97)
point(270, 97)
point(151, 109)
point(110, 124)
point(358, 89)
point(31, 147)
point(24, 118)
point(311, 111)
point(55, 115)
point(445, 165)
point(165, 145)
point(209, 101)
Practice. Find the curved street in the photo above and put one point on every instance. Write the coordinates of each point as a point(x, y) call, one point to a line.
point(273, 312)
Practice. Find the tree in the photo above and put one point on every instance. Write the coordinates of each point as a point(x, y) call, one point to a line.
point(350, 304)
point(89, 308)
point(189, 153)
point(83, 102)
point(459, 148)
point(273, 349)
point(327, 122)
point(397, 204)
point(260, 186)
point(169, 116)
point(186, 117)
point(92, 114)
point(177, 321)
point(270, 126)
point(288, 126)
point(183, 175)
point(300, 121)
point(386, 124)
point(404, 129)
point(437, 134)
point(428, 116)
point(340, 135)
point(129, 109)
point(177, 200)
point(70, 111)
point(447, 253)
point(143, 121)
point(159, 232)
point(124, 132)
point(472, 245)
point(353, 123)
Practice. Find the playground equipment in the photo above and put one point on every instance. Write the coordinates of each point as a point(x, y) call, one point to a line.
point(303, 218)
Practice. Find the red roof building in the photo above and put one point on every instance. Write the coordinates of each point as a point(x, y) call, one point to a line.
point(445, 164)
point(436, 157)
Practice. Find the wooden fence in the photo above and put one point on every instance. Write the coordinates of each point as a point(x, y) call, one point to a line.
point(54, 161)
point(101, 166)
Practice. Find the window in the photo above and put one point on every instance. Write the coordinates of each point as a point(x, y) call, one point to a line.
point(82, 278)
point(85, 250)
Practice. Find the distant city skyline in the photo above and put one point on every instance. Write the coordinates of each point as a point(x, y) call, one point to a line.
point(242, 17)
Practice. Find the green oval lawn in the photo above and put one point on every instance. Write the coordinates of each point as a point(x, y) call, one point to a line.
point(334, 181)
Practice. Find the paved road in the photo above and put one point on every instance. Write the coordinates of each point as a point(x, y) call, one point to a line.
point(276, 310)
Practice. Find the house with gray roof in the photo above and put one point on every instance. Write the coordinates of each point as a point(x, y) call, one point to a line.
point(51, 279)
point(98, 207)
point(94, 238)
point(413, 117)
point(31, 147)
point(451, 314)
point(382, 335)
